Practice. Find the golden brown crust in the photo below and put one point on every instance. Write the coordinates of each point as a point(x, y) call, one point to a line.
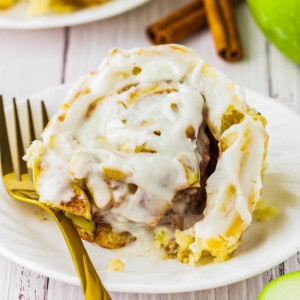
point(78, 206)
point(107, 238)
point(85, 235)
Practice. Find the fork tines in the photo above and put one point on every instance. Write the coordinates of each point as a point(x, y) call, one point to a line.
point(45, 118)
point(6, 160)
point(20, 148)
point(6, 156)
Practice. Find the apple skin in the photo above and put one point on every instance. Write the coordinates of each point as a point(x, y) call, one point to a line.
point(285, 287)
point(279, 20)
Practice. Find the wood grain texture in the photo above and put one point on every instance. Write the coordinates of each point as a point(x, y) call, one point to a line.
point(30, 61)
point(16, 282)
point(34, 60)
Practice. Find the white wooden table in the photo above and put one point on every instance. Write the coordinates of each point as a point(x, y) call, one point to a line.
point(34, 60)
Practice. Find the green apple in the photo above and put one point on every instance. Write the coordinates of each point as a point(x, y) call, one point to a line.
point(280, 22)
point(286, 287)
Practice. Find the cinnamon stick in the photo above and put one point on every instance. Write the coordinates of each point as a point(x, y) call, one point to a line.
point(223, 28)
point(180, 24)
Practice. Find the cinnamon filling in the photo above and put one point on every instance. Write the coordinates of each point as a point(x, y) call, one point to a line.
point(194, 198)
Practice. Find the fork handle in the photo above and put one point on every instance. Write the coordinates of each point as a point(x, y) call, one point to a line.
point(91, 285)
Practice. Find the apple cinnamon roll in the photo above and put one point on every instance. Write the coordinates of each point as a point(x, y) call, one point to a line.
point(154, 139)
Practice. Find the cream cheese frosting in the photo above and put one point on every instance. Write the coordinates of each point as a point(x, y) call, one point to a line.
point(129, 131)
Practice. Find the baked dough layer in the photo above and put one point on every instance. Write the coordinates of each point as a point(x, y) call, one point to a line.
point(126, 141)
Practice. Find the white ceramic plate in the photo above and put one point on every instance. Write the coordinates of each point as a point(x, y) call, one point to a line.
point(27, 238)
point(17, 17)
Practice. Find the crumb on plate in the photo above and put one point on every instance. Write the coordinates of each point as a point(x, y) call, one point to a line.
point(264, 212)
point(116, 265)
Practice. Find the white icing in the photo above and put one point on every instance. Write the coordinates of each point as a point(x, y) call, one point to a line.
point(147, 98)
point(131, 108)
point(215, 221)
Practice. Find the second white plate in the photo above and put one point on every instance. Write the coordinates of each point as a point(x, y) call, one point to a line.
point(30, 238)
point(17, 17)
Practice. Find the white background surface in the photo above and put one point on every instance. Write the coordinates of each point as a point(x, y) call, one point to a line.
point(34, 60)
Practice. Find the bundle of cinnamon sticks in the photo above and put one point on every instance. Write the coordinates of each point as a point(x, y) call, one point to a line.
point(195, 16)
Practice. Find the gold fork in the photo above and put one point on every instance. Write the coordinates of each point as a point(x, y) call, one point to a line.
point(20, 187)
